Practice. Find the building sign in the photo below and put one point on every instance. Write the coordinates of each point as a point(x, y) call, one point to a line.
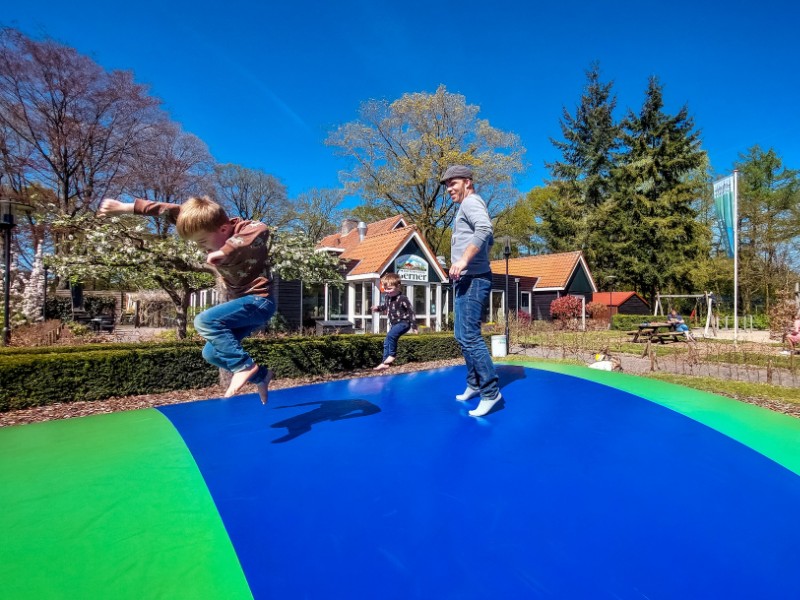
point(411, 267)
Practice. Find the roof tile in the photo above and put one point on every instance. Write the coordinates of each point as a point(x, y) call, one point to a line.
point(553, 270)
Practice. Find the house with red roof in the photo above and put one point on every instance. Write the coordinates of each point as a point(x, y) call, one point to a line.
point(535, 281)
point(368, 251)
point(624, 303)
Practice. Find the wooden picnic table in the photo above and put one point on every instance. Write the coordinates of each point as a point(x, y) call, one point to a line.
point(657, 331)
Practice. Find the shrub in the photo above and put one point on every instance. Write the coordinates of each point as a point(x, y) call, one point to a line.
point(58, 308)
point(40, 376)
point(566, 311)
point(597, 310)
point(630, 322)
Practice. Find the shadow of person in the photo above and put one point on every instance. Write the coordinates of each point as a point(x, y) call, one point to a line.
point(328, 410)
point(506, 374)
point(509, 374)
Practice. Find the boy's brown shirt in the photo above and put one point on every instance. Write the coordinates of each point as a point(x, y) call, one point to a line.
point(245, 269)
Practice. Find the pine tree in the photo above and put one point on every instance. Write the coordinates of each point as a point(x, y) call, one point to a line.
point(655, 232)
point(573, 219)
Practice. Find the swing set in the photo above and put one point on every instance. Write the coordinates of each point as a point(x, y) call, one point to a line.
point(708, 304)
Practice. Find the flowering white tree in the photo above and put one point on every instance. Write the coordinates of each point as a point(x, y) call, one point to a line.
point(128, 252)
point(33, 296)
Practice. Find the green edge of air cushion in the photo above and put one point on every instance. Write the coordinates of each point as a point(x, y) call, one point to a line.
point(772, 434)
point(109, 506)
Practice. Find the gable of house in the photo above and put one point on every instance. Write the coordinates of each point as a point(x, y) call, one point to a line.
point(554, 271)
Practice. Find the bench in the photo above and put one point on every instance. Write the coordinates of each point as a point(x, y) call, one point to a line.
point(674, 336)
point(98, 323)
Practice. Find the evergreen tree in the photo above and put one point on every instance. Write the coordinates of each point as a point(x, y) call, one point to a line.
point(572, 219)
point(656, 236)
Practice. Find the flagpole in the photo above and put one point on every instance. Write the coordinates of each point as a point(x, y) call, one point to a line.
point(735, 256)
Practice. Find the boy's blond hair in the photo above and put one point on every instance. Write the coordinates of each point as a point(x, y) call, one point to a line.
point(392, 279)
point(200, 214)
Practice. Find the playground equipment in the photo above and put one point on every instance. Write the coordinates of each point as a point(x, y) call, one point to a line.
point(709, 300)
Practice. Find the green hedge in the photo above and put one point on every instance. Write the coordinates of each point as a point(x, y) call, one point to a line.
point(628, 322)
point(36, 377)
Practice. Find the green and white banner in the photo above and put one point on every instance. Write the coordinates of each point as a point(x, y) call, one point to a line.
point(723, 201)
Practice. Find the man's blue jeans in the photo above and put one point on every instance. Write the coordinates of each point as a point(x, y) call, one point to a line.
point(390, 343)
point(225, 326)
point(471, 300)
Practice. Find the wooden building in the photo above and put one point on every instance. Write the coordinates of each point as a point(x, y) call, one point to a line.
point(535, 281)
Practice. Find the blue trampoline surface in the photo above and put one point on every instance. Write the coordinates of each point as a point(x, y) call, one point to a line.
point(384, 487)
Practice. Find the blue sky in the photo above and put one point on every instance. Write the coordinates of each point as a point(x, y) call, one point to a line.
point(262, 83)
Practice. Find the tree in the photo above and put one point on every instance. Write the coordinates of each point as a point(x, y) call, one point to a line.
point(573, 217)
point(654, 233)
point(33, 298)
point(254, 195)
point(317, 212)
point(147, 255)
point(769, 217)
point(399, 151)
point(69, 123)
point(521, 222)
point(169, 165)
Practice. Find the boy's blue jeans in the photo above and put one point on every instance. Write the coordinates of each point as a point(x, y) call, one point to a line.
point(225, 326)
point(390, 343)
point(471, 300)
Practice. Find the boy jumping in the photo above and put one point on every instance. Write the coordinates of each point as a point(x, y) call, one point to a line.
point(237, 249)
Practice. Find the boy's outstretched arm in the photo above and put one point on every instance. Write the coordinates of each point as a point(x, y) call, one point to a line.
point(110, 207)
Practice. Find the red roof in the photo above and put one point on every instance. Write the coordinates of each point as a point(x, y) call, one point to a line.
point(615, 298)
point(383, 240)
point(351, 239)
point(553, 270)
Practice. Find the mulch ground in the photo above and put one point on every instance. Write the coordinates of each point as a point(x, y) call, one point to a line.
point(71, 410)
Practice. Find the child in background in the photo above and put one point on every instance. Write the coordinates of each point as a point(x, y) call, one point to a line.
point(401, 317)
point(237, 249)
point(793, 335)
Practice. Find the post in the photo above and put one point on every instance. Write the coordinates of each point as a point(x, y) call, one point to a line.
point(44, 295)
point(7, 224)
point(507, 254)
point(735, 256)
point(583, 313)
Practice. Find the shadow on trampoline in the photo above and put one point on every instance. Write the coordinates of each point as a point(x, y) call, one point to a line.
point(509, 374)
point(328, 410)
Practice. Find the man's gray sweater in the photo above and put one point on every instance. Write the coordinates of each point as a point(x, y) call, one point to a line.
point(472, 226)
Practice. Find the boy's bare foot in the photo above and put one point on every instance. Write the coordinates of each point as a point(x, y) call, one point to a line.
point(385, 364)
point(239, 379)
point(263, 387)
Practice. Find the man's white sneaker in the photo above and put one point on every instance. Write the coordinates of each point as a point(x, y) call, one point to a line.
point(485, 406)
point(468, 394)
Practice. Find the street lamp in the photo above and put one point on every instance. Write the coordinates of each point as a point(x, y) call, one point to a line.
point(507, 255)
point(8, 210)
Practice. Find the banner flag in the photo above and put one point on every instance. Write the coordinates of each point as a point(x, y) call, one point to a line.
point(723, 201)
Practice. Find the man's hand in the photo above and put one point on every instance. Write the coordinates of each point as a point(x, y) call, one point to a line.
point(216, 257)
point(110, 207)
point(456, 268)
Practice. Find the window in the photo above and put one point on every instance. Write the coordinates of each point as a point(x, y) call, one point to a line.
point(337, 302)
point(420, 302)
point(525, 302)
point(497, 307)
point(359, 299)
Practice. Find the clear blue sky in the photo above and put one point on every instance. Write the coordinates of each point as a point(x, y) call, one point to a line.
point(262, 83)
